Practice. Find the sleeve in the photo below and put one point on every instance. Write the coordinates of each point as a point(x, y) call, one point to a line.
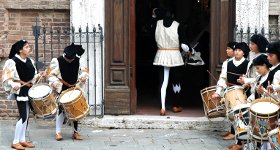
point(276, 81)
point(54, 74)
point(9, 74)
point(183, 38)
point(83, 73)
point(222, 82)
point(251, 74)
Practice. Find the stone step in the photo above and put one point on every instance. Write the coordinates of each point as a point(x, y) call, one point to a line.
point(157, 122)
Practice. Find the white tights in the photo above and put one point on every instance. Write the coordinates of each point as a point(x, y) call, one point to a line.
point(20, 130)
point(59, 121)
point(166, 71)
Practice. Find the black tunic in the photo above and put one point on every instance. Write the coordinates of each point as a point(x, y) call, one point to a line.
point(26, 72)
point(241, 69)
point(69, 71)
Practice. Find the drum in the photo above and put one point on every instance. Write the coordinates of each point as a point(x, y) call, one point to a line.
point(74, 103)
point(212, 108)
point(274, 138)
point(241, 125)
point(42, 100)
point(263, 117)
point(237, 110)
point(234, 96)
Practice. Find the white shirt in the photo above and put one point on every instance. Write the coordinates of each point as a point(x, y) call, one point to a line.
point(222, 82)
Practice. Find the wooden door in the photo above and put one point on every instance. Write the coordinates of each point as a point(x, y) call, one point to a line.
point(120, 93)
point(222, 27)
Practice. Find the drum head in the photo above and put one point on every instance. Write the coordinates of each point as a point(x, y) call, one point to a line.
point(69, 96)
point(39, 91)
point(264, 107)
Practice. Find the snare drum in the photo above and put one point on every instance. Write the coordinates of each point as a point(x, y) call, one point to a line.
point(212, 108)
point(74, 103)
point(241, 125)
point(42, 100)
point(242, 108)
point(263, 117)
point(234, 96)
point(274, 138)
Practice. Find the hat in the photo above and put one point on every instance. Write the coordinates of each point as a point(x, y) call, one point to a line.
point(261, 42)
point(231, 44)
point(244, 47)
point(72, 50)
point(16, 47)
point(274, 48)
point(160, 13)
point(79, 50)
point(260, 60)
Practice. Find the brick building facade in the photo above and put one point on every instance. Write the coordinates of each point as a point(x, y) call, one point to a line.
point(16, 20)
point(18, 16)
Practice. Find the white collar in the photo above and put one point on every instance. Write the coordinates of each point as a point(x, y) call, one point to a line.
point(273, 67)
point(238, 62)
point(23, 60)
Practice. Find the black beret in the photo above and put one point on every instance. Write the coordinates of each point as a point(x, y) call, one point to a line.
point(274, 48)
point(260, 41)
point(244, 47)
point(260, 60)
point(16, 48)
point(231, 44)
point(79, 50)
point(160, 13)
point(72, 50)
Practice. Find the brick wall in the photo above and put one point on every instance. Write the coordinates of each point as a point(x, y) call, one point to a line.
point(16, 20)
point(8, 108)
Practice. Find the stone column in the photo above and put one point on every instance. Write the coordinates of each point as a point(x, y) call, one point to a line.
point(252, 13)
point(91, 13)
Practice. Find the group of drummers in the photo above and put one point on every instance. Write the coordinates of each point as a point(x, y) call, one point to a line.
point(247, 94)
point(61, 95)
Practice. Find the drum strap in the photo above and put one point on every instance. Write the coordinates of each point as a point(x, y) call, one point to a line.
point(66, 83)
point(24, 83)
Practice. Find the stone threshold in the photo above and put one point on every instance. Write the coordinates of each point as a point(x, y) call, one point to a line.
point(156, 122)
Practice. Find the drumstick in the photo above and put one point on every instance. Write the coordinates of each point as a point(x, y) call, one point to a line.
point(25, 84)
point(75, 87)
point(212, 75)
point(271, 96)
point(268, 84)
point(41, 76)
point(235, 73)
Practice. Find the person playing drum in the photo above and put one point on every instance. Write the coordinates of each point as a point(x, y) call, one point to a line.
point(260, 84)
point(230, 55)
point(65, 72)
point(262, 66)
point(257, 46)
point(238, 65)
point(273, 56)
point(19, 73)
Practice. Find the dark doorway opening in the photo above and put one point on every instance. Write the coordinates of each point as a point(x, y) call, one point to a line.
point(194, 14)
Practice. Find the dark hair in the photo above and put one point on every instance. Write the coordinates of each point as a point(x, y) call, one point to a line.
point(261, 60)
point(16, 48)
point(260, 41)
point(274, 48)
point(231, 44)
point(244, 47)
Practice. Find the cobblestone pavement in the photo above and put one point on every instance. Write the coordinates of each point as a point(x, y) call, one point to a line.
point(41, 133)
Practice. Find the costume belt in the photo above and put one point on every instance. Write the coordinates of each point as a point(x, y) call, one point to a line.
point(66, 83)
point(171, 48)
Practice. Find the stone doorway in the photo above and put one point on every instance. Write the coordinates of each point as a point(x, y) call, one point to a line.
point(196, 16)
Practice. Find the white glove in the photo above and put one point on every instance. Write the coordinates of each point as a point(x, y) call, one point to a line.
point(185, 47)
